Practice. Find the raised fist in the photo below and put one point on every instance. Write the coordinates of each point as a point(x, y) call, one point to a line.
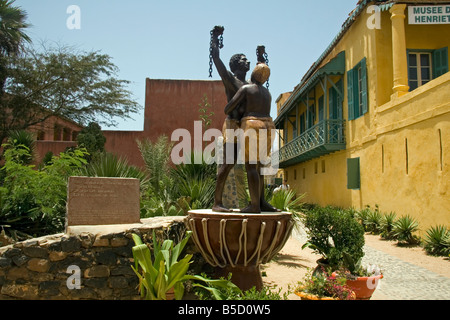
point(217, 31)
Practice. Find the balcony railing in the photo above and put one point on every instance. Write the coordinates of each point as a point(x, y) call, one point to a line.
point(325, 137)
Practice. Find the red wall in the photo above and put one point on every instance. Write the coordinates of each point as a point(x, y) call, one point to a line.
point(169, 105)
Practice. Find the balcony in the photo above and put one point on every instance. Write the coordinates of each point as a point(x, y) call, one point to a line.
point(325, 137)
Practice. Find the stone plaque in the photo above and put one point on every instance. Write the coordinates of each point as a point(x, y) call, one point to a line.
point(102, 201)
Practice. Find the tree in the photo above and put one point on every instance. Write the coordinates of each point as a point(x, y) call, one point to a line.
point(59, 81)
point(92, 138)
point(12, 35)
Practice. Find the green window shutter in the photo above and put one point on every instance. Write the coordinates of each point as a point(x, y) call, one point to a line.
point(440, 62)
point(353, 174)
point(350, 94)
point(364, 86)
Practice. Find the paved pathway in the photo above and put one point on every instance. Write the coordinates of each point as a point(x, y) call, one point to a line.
point(406, 281)
point(402, 280)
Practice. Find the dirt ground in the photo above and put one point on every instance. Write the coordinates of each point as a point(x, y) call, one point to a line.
point(292, 263)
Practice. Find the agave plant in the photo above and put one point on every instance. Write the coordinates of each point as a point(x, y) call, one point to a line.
point(373, 221)
point(112, 166)
point(404, 228)
point(437, 241)
point(387, 225)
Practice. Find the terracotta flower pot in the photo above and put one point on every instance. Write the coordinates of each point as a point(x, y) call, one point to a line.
point(239, 243)
point(364, 287)
point(309, 296)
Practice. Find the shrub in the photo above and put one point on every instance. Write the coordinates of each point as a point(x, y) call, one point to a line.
point(437, 241)
point(331, 232)
point(404, 228)
point(33, 202)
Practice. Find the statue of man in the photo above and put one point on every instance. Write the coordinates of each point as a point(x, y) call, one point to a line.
point(239, 66)
point(256, 119)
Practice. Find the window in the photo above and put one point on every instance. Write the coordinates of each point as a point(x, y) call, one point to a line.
point(357, 90)
point(426, 65)
point(419, 69)
point(353, 174)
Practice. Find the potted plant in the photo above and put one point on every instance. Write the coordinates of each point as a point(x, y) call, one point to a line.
point(322, 286)
point(363, 280)
point(338, 237)
point(162, 276)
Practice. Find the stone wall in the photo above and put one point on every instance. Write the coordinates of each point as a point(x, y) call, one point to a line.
point(37, 269)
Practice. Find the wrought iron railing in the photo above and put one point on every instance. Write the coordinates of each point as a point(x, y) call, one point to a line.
point(328, 135)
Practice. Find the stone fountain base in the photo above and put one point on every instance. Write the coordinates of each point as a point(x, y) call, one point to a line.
point(239, 243)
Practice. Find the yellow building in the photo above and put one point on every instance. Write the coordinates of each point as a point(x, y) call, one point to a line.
point(369, 122)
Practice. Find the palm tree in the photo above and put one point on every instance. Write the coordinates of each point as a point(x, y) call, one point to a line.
point(12, 24)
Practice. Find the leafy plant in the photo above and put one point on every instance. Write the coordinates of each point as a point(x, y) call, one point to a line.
point(387, 225)
point(362, 216)
point(33, 202)
point(156, 157)
point(23, 139)
point(112, 166)
point(331, 232)
point(232, 293)
point(373, 220)
point(286, 200)
point(404, 228)
point(437, 241)
point(92, 138)
point(162, 272)
point(324, 285)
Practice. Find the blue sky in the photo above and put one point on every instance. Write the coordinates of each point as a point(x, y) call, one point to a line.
point(170, 39)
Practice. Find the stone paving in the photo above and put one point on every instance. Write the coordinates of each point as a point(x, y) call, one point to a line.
point(402, 280)
point(406, 281)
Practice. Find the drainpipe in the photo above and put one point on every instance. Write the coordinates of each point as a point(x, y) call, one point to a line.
point(399, 50)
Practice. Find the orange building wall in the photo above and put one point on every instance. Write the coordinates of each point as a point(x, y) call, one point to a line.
point(169, 105)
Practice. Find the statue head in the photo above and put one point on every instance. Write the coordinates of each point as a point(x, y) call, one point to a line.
point(239, 62)
point(261, 73)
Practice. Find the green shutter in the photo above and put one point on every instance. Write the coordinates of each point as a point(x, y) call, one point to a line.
point(364, 86)
point(440, 62)
point(353, 174)
point(350, 95)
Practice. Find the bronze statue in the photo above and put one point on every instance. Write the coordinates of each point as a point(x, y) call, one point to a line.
point(256, 117)
point(239, 66)
point(233, 82)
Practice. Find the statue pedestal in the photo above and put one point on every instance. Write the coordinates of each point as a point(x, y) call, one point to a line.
point(239, 242)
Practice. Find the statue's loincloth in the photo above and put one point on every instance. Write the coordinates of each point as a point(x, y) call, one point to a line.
point(230, 124)
point(258, 134)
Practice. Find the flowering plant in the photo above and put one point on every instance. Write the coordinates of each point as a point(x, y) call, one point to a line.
point(323, 285)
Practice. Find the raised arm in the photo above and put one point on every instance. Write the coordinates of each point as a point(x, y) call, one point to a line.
point(238, 98)
point(215, 52)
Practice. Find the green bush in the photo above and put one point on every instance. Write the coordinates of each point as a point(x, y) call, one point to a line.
point(332, 232)
point(33, 202)
point(437, 241)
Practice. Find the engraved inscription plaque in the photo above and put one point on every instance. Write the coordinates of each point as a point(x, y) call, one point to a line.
point(102, 201)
